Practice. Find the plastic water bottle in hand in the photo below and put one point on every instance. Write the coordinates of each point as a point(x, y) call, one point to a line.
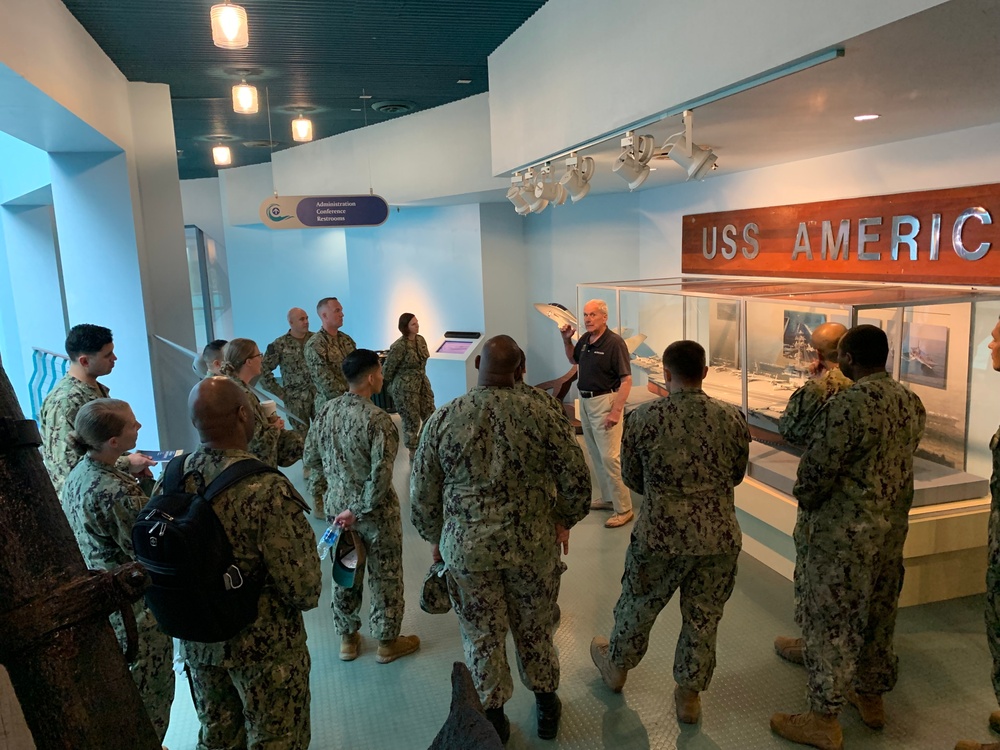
point(328, 540)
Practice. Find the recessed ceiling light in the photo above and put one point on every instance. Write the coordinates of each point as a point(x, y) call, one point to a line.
point(862, 118)
point(355, 109)
point(365, 96)
point(464, 80)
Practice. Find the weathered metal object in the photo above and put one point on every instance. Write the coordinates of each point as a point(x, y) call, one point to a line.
point(64, 662)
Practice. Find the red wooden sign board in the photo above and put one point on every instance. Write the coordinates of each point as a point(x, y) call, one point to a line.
point(935, 236)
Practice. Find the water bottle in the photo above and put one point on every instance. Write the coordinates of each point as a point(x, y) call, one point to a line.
point(328, 540)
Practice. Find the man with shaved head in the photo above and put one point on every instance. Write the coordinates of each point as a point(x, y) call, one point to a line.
point(253, 690)
point(288, 352)
point(496, 479)
point(796, 427)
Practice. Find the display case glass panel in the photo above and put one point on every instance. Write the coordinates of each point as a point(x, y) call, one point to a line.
point(756, 335)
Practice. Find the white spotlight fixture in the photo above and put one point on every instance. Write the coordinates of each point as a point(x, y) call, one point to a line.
point(222, 156)
point(514, 194)
point(632, 163)
point(245, 98)
point(696, 161)
point(576, 181)
point(302, 129)
point(229, 26)
point(550, 192)
point(863, 118)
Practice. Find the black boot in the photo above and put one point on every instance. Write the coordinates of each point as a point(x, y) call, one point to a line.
point(549, 709)
point(500, 723)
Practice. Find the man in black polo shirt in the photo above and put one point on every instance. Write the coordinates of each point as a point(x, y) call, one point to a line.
point(605, 380)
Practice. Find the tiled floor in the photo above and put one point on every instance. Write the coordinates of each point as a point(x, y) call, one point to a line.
point(944, 693)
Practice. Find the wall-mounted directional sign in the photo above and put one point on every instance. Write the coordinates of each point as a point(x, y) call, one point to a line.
point(307, 212)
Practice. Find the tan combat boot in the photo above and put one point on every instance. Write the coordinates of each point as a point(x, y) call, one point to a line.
point(401, 646)
point(870, 707)
point(970, 745)
point(995, 721)
point(818, 730)
point(350, 646)
point(688, 705)
point(790, 649)
point(613, 675)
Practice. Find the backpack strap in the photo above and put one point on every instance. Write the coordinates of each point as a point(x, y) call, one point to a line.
point(173, 475)
point(233, 474)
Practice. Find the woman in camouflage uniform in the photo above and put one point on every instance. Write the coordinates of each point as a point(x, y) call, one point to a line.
point(405, 372)
point(271, 443)
point(101, 503)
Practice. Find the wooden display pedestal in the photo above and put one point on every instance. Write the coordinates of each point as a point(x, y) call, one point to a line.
point(945, 552)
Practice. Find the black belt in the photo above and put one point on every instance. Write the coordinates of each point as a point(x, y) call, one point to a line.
point(592, 394)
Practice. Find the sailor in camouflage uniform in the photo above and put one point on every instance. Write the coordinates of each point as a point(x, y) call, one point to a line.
point(101, 504)
point(854, 489)
point(252, 691)
point(992, 567)
point(796, 426)
point(91, 353)
point(271, 443)
point(296, 388)
point(325, 352)
point(406, 374)
point(685, 454)
point(356, 443)
point(480, 492)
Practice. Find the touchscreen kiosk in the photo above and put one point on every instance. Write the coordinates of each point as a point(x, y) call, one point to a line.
point(452, 368)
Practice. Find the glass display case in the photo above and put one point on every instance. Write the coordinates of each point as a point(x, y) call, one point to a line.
point(756, 335)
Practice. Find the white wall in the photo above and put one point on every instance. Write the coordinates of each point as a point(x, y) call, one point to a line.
point(432, 154)
point(202, 206)
point(584, 69)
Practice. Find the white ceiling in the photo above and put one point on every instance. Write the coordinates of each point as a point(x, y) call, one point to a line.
point(933, 72)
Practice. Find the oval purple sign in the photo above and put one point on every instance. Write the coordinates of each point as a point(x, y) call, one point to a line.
point(342, 211)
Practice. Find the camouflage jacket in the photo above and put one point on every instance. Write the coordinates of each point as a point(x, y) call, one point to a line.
point(796, 424)
point(272, 446)
point(481, 481)
point(267, 528)
point(405, 367)
point(855, 480)
point(543, 398)
point(101, 504)
point(994, 527)
point(288, 353)
point(685, 454)
point(324, 356)
point(354, 444)
point(58, 415)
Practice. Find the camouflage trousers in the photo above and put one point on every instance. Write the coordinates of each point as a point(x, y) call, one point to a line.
point(153, 668)
point(316, 481)
point(848, 603)
point(993, 598)
point(383, 539)
point(258, 706)
point(491, 603)
point(649, 582)
point(414, 407)
point(301, 405)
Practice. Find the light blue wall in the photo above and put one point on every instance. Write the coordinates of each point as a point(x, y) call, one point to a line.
point(97, 246)
point(25, 168)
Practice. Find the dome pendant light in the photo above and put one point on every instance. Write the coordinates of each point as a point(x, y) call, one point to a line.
point(302, 129)
point(245, 98)
point(229, 26)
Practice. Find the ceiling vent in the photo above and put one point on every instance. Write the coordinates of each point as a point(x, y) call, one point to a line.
point(261, 144)
point(393, 108)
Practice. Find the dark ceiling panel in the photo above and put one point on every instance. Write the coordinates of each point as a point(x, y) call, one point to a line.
point(311, 55)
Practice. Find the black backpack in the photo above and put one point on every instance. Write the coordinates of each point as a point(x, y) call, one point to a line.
point(198, 593)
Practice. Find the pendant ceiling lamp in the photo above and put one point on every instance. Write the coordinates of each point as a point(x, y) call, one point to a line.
point(229, 26)
point(302, 129)
point(245, 98)
point(222, 156)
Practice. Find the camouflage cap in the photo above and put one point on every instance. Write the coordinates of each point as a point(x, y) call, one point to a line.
point(434, 599)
